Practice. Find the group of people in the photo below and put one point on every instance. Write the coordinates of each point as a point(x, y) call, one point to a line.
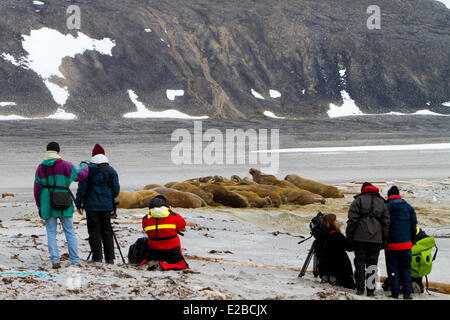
point(97, 190)
point(373, 224)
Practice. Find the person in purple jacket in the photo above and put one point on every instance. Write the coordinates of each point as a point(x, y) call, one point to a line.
point(54, 175)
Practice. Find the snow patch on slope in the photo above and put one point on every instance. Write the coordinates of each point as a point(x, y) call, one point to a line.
point(257, 95)
point(143, 112)
point(348, 107)
point(171, 94)
point(274, 94)
point(272, 115)
point(46, 50)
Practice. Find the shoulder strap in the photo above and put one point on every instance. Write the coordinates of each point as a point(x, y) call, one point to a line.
point(435, 253)
point(426, 280)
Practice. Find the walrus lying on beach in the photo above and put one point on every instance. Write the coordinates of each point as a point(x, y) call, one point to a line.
point(269, 179)
point(153, 185)
point(254, 200)
point(226, 197)
point(189, 187)
point(129, 200)
point(262, 191)
point(187, 199)
point(315, 187)
point(183, 200)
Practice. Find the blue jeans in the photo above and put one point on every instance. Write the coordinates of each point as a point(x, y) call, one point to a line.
point(67, 224)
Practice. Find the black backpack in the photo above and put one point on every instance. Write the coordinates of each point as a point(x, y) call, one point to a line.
point(138, 251)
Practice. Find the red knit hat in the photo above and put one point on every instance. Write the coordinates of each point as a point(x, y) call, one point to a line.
point(98, 150)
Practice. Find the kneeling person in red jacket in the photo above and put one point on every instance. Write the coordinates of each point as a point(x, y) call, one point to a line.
point(162, 226)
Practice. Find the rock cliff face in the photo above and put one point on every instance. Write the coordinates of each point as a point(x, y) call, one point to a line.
point(219, 51)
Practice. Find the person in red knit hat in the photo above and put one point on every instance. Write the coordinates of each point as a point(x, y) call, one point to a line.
point(98, 149)
point(96, 195)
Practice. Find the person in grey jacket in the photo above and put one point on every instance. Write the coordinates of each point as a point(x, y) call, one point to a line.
point(368, 228)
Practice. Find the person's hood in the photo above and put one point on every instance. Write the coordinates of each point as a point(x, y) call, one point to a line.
point(160, 212)
point(99, 158)
point(396, 204)
point(370, 189)
point(50, 158)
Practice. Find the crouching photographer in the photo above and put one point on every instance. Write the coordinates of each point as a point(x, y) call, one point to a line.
point(334, 266)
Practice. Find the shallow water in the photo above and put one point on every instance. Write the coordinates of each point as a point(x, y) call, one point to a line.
point(140, 150)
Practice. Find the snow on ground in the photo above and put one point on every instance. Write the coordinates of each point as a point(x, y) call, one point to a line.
point(274, 94)
point(348, 107)
point(7, 104)
point(13, 117)
point(272, 115)
point(171, 94)
point(403, 147)
point(257, 95)
point(445, 2)
point(143, 112)
point(446, 104)
point(60, 114)
point(60, 95)
point(38, 3)
point(148, 30)
point(46, 50)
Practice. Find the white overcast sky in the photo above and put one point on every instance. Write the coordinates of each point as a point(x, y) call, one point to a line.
point(446, 2)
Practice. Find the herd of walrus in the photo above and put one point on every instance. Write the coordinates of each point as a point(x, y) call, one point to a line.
point(263, 191)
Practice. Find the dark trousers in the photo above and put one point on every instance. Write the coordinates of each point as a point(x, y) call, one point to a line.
point(100, 231)
point(366, 255)
point(398, 265)
point(170, 256)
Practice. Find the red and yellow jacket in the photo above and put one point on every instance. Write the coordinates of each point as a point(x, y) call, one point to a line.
point(162, 226)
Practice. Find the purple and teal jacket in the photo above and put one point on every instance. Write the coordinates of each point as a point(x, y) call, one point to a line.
point(59, 172)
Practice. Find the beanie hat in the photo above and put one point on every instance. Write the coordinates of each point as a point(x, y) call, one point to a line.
point(53, 146)
point(98, 149)
point(158, 201)
point(393, 191)
point(365, 184)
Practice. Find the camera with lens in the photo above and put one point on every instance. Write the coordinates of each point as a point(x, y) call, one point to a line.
point(316, 224)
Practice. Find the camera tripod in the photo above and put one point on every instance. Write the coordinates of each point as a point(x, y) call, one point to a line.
point(118, 247)
point(311, 254)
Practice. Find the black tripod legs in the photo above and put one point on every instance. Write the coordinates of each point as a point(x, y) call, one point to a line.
point(310, 255)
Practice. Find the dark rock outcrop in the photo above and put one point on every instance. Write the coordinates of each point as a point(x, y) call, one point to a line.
point(217, 51)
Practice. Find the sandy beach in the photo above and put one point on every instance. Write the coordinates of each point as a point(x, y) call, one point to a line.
point(232, 253)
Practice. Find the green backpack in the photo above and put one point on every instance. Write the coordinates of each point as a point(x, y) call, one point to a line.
point(422, 262)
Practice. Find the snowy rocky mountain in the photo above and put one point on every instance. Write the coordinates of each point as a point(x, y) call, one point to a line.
point(236, 59)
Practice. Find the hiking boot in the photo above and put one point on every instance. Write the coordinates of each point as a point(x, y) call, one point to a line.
point(153, 266)
point(333, 281)
point(407, 297)
point(359, 292)
point(393, 295)
point(109, 261)
point(324, 279)
point(56, 265)
point(370, 294)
